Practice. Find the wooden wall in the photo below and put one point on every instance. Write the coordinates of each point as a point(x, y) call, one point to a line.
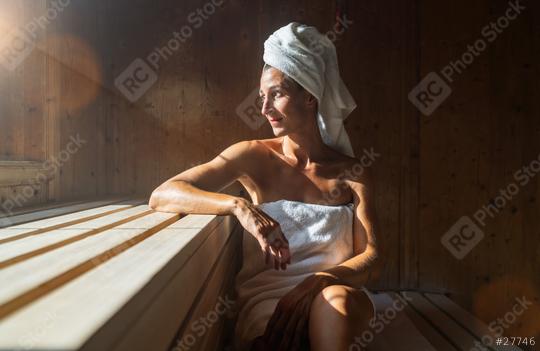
point(22, 140)
point(470, 149)
point(432, 170)
point(50, 102)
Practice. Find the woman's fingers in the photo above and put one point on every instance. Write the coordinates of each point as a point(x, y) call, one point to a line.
point(285, 257)
point(286, 254)
point(285, 239)
point(275, 246)
point(279, 253)
point(282, 264)
point(273, 255)
point(270, 254)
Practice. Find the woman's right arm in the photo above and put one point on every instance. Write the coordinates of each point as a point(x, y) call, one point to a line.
point(196, 190)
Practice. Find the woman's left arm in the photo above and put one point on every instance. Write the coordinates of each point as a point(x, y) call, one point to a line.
point(366, 262)
point(287, 326)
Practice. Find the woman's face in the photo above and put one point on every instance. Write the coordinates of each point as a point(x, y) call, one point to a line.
point(284, 103)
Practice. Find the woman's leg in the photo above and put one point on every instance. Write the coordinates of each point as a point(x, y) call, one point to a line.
point(338, 314)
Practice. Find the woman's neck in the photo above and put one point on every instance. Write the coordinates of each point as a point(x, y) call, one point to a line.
point(304, 149)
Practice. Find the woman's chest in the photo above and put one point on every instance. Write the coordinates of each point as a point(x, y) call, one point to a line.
point(322, 184)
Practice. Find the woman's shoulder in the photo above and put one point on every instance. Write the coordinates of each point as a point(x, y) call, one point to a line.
point(253, 145)
point(353, 168)
point(265, 145)
point(250, 150)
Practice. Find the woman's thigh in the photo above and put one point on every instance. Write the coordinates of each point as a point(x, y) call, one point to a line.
point(339, 313)
point(335, 312)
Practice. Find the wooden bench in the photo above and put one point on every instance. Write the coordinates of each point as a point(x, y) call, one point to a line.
point(118, 276)
point(422, 321)
point(115, 275)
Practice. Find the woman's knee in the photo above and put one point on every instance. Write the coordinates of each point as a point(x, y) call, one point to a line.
point(337, 298)
point(336, 314)
point(344, 300)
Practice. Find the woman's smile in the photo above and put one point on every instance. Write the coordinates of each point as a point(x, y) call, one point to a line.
point(275, 120)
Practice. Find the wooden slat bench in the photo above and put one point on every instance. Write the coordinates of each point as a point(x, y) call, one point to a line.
point(422, 321)
point(106, 276)
point(115, 275)
point(26, 215)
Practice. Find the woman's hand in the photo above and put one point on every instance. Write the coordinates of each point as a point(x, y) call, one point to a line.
point(267, 231)
point(288, 325)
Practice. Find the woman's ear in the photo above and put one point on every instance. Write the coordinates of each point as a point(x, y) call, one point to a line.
point(311, 100)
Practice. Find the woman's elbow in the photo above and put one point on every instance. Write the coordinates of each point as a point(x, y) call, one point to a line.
point(377, 265)
point(155, 198)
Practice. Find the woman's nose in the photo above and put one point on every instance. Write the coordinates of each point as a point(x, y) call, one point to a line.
point(266, 106)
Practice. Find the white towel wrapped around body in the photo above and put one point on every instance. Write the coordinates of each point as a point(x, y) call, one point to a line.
point(319, 236)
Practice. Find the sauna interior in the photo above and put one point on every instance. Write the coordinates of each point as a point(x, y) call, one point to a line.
point(101, 101)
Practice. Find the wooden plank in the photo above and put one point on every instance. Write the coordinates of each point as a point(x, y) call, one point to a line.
point(156, 327)
point(39, 275)
point(409, 170)
point(59, 217)
point(468, 321)
point(20, 250)
point(52, 108)
point(218, 285)
point(33, 83)
point(106, 300)
point(63, 216)
point(18, 233)
point(461, 338)
point(15, 197)
point(45, 206)
point(11, 84)
point(73, 218)
point(7, 88)
point(223, 332)
point(435, 338)
point(393, 329)
point(19, 172)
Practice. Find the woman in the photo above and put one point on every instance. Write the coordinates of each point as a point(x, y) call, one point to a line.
point(306, 293)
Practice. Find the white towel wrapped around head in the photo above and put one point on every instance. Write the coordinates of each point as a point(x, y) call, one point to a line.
point(310, 58)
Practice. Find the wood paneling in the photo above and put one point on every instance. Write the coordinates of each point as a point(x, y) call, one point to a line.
point(188, 116)
point(470, 149)
point(21, 91)
point(52, 96)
